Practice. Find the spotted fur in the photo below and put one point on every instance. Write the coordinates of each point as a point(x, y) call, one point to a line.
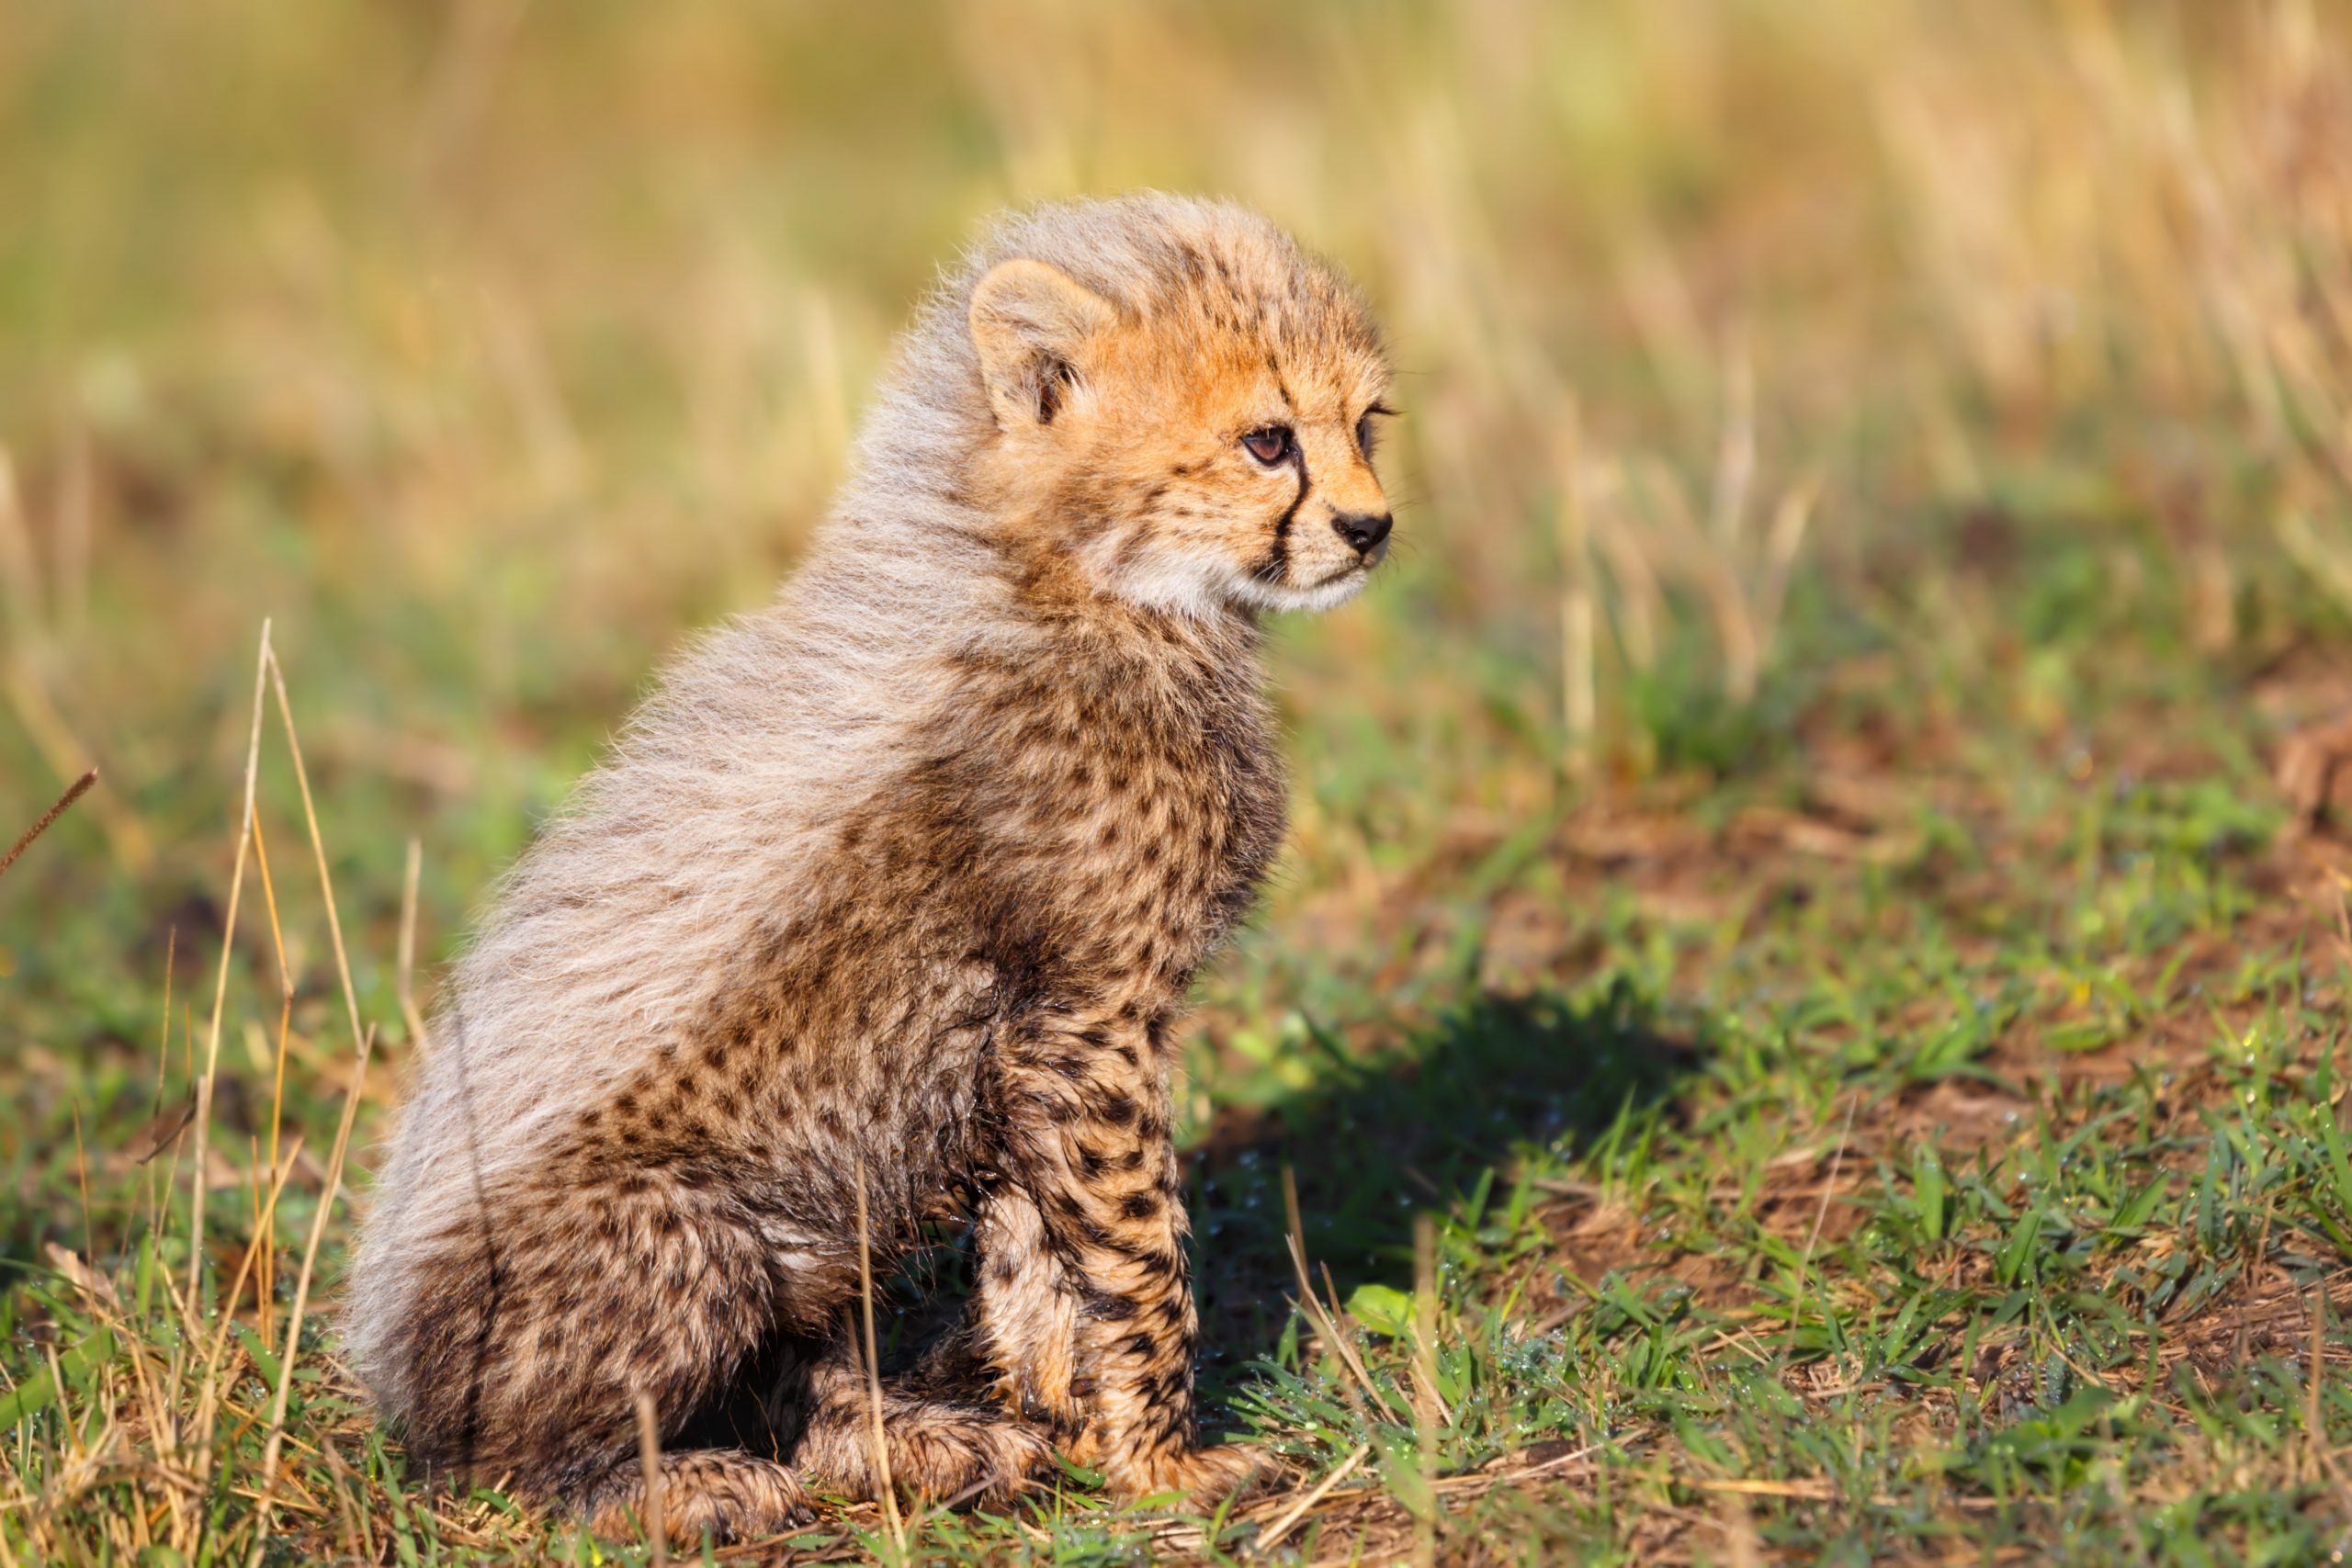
point(900, 880)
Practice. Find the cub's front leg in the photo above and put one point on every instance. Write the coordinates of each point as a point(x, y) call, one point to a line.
point(1086, 1300)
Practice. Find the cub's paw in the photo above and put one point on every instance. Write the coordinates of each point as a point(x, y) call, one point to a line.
point(1206, 1477)
point(955, 1454)
point(723, 1494)
point(966, 1459)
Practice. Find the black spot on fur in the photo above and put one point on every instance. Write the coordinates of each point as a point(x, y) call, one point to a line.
point(1108, 1306)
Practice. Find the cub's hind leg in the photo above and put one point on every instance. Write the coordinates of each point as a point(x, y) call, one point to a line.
point(534, 1320)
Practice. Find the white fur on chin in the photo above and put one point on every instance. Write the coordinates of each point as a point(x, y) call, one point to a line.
point(1331, 591)
point(1187, 591)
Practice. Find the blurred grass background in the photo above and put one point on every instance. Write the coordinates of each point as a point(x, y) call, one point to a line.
point(1790, 385)
point(490, 347)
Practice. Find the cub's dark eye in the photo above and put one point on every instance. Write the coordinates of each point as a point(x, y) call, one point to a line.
point(1366, 434)
point(1269, 446)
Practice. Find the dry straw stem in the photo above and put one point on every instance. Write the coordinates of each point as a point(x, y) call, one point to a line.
point(1782, 544)
point(73, 792)
point(2318, 1455)
point(1274, 1534)
point(2328, 566)
point(245, 1264)
point(26, 657)
point(134, 852)
point(649, 1467)
point(260, 1253)
point(1325, 1322)
point(220, 983)
point(1710, 569)
point(362, 1041)
point(1637, 598)
point(359, 1036)
point(1472, 1484)
point(303, 1298)
point(268, 674)
point(266, 1292)
point(1734, 447)
point(71, 609)
point(1425, 1322)
point(1578, 696)
point(18, 577)
point(874, 1373)
point(1828, 1190)
point(1431, 1406)
point(1741, 1546)
point(404, 969)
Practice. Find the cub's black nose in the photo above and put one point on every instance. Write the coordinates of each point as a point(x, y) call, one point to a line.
point(1364, 531)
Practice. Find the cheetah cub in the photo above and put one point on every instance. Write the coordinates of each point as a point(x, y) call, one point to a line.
point(899, 883)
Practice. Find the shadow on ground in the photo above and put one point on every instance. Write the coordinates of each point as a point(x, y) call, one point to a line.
point(1382, 1137)
point(1418, 1123)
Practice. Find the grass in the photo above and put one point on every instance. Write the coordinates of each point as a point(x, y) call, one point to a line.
point(1796, 1024)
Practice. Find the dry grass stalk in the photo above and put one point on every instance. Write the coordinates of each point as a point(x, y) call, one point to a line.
point(332, 1186)
point(404, 963)
point(1325, 1322)
point(1279, 1529)
point(363, 1041)
point(70, 607)
point(19, 577)
point(359, 1036)
point(1429, 1407)
point(220, 983)
point(73, 792)
point(1580, 698)
point(872, 1357)
point(648, 1466)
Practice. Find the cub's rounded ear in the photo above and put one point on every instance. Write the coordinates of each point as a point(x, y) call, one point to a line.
point(1030, 322)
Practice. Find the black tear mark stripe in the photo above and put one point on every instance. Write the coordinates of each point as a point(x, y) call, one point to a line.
point(1276, 566)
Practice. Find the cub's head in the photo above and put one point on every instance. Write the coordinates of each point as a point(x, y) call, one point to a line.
point(1181, 406)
